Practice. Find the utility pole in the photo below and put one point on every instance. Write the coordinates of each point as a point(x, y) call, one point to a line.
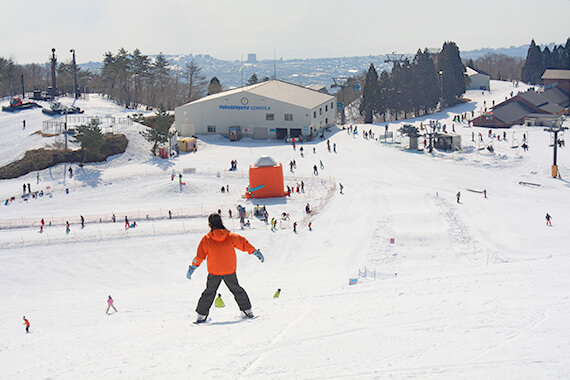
point(342, 85)
point(555, 130)
point(72, 51)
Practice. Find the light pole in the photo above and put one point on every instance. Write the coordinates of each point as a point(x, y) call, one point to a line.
point(72, 51)
point(441, 89)
point(555, 130)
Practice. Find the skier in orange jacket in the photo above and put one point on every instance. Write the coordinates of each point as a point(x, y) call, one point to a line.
point(218, 248)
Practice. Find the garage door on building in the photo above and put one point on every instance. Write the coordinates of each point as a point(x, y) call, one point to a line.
point(260, 133)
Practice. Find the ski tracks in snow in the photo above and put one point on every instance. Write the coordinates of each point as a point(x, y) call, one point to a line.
point(462, 240)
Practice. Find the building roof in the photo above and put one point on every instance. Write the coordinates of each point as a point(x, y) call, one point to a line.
point(471, 71)
point(553, 74)
point(278, 90)
point(533, 98)
point(511, 112)
point(556, 96)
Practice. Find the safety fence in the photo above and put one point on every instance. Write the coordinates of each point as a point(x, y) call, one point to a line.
point(373, 274)
point(108, 124)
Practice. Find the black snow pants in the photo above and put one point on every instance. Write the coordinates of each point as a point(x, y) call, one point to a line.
point(208, 295)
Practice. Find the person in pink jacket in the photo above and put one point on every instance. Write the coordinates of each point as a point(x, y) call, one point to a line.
point(110, 305)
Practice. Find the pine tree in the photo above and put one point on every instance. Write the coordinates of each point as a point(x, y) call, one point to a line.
point(452, 73)
point(91, 140)
point(385, 93)
point(158, 133)
point(214, 87)
point(533, 67)
point(370, 95)
point(252, 79)
point(426, 86)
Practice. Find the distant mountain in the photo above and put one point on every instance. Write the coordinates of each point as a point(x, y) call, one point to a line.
point(513, 51)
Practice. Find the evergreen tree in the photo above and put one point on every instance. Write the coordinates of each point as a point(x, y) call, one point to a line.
point(370, 95)
point(141, 72)
point(214, 87)
point(158, 133)
point(452, 73)
point(533, 67)
point(91, 140)
point(160, 74)
point(385, 93)
point(426, 86)
point(252, 79)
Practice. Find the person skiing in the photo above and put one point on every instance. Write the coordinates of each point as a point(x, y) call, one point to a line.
point(548, 220)
point(82, 221)
point(67, 227)
point(315, 170)
point(219, 302)
point(458, 195)
point(27, 324)
point(340, 187)
point(277, 293)
point(295, 227)
point(110, 304)
point(70, 172)
point(218, 248)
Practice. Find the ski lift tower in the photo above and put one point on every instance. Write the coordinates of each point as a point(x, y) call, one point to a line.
point(395, 58)
point(340, 105)
point(556, 131)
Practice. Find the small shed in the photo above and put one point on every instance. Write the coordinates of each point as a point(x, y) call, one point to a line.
point(265, 179)
point(188, 144)
point(447, 141)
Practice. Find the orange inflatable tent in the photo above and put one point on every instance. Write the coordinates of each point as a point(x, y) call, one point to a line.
point(265, 179)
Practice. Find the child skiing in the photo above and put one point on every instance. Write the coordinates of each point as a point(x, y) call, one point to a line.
point(548, 220)
point(110, 303)
point(277, 293)
point(218, 248)
point(27, 324)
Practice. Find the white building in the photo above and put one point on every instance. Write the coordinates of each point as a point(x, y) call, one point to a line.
point(478, 80)
point(272, 109)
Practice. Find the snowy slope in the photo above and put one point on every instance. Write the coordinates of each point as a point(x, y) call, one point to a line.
point(471, 290)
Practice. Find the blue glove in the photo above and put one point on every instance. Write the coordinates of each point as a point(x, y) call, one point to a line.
point(191, 270)
point(257, 253)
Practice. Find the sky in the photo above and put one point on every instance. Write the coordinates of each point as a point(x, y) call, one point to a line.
point(475, 289)
point(230, 30)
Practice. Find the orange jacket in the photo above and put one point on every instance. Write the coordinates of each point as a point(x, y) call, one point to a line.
point(218, 246)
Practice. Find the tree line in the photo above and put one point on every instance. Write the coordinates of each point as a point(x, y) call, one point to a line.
point(414, 88)
point(129, 78)
point(537, 61)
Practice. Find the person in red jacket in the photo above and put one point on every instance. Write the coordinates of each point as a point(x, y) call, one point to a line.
point(218, 248)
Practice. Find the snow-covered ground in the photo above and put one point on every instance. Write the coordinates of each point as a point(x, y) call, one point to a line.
point(471, 290)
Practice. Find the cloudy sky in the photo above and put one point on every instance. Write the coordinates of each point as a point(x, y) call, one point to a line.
point(230, 29)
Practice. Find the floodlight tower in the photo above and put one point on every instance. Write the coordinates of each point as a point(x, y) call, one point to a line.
point(72, 51)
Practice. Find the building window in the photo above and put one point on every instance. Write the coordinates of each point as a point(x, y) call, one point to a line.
point(314, 114)
point(327, 121)
point(332, 105)
point(326, 108)
point(320, 111)
point(288, 117)
point(269, 116)
point(211, 129)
